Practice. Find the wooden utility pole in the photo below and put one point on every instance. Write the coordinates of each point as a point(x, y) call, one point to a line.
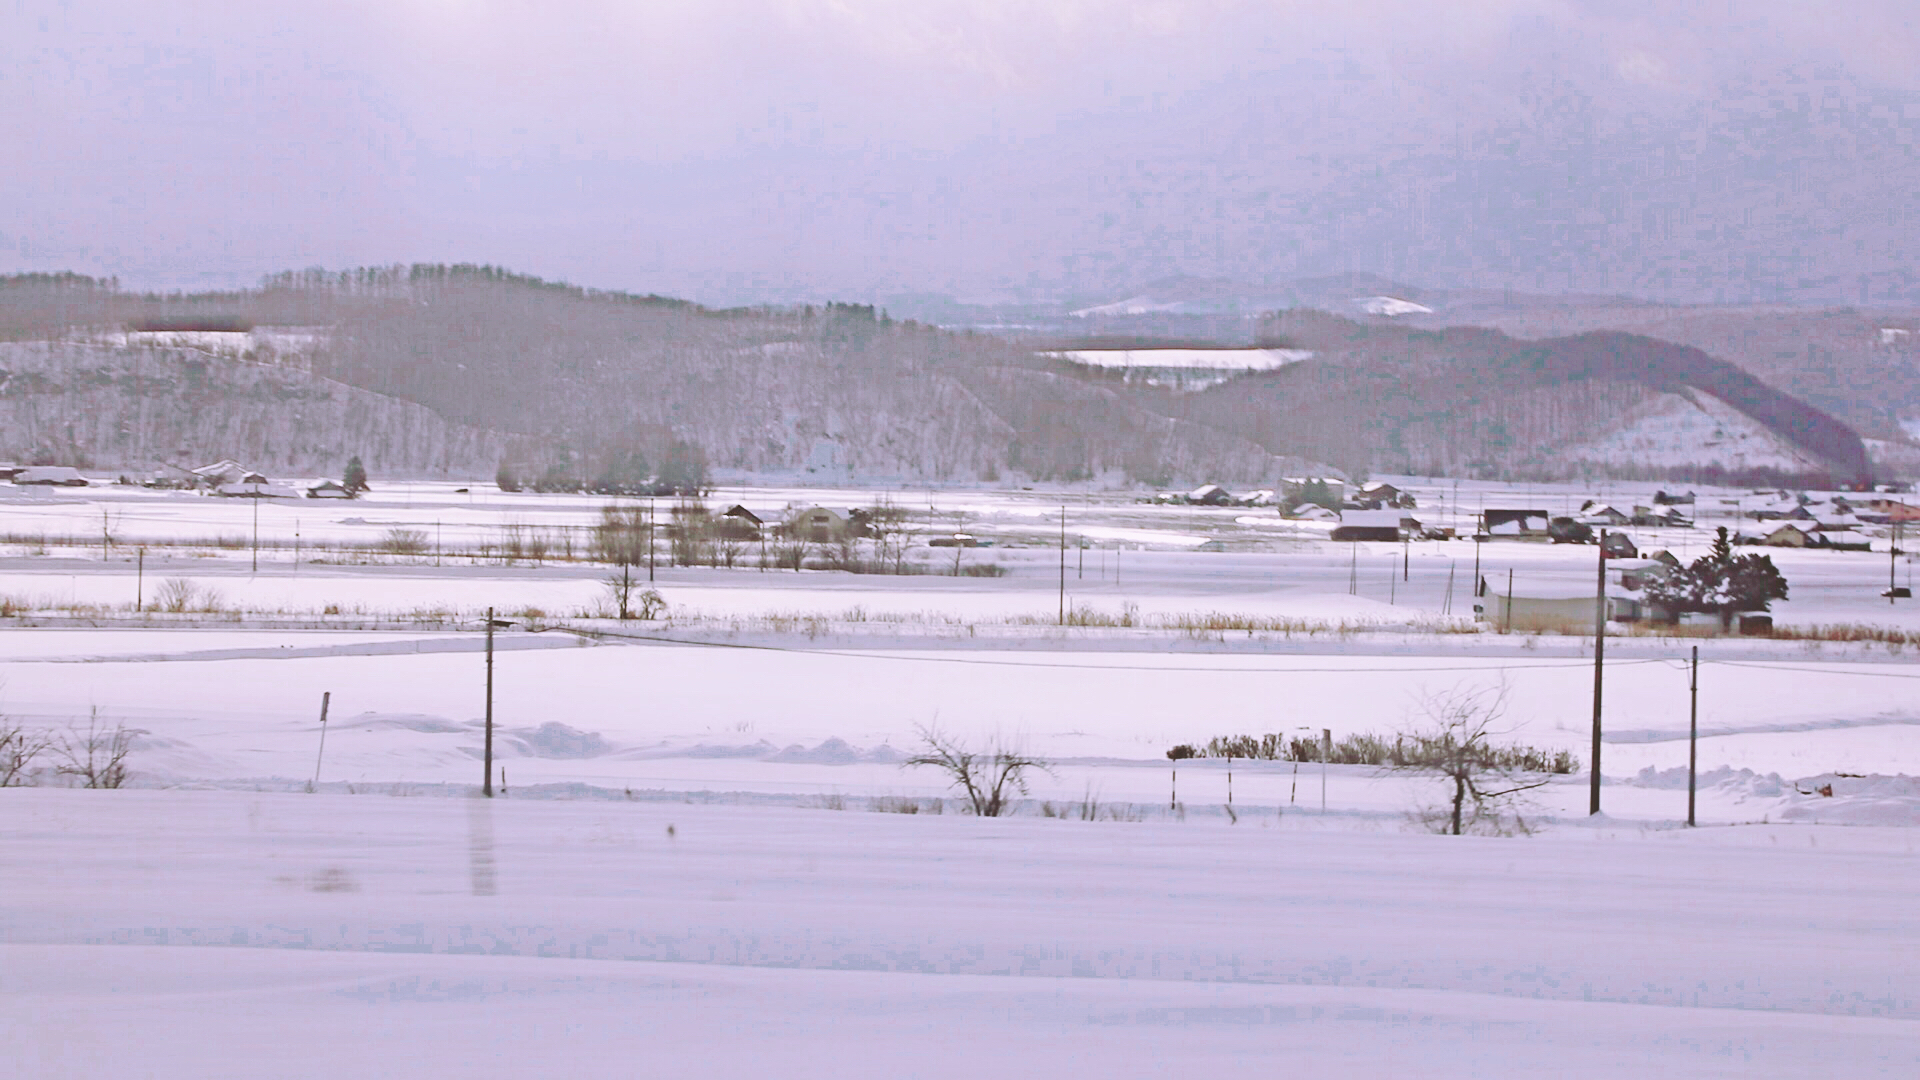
point(1599, 658)
point(1063, 566)
point(1477, 541)
point(486, 767)
point(325, 700)
point(1326, 755)
point(256, 528)
point(650, 540)
point(1693, 729)
point(140, 582)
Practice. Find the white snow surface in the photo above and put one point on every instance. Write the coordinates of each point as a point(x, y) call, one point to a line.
point(1391, 305)
point(214, 921)
point(233, 934)
point(1198, 359)
point(1690, 428)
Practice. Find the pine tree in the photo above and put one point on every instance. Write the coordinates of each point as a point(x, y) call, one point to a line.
point(355, 481)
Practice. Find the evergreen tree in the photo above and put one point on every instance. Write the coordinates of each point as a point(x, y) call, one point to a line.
point(355, 481)
point(1721, 582)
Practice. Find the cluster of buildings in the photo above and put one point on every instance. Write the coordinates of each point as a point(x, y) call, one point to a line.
point(227, 479)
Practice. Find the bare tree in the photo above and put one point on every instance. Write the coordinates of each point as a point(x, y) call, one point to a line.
point(1454, 741)
point(988, 778)
point(98, 755)
point(620, 585)
point(19, 748)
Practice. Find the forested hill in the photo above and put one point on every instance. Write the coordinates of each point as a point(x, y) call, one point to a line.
point(564, 385)
point(581, 384)
point(1463, 400)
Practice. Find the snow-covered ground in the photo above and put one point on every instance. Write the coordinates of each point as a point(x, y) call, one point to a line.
point(780, 937)
point(226, 934)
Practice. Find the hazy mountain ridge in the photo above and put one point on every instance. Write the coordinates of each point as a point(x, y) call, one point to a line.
point(1390, 397)
point(132, 407)
point(577, 381)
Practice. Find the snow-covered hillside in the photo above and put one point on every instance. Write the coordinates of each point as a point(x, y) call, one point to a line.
point(1690, 428)
point(1184, 369)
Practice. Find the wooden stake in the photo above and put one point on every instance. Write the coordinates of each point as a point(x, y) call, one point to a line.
point(325, 700)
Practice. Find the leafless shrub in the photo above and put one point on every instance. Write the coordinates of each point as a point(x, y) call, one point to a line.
point(651, 604)
point(176, 595)
point(19, 749)
point(97, 756)
point(989, 778)
point(893, 804)
point(1454, 741)
point(404, 542)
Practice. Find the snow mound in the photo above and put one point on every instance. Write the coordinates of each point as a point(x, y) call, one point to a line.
point(426, 725)
point(1830, 798)
point(835, 751)
point(1853, 800)
point(556, 740)
point(1743, 784)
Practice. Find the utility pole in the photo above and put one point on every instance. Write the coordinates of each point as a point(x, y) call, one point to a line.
point(256, 527)
point(650, 540)
point(1693, 729)
point(140, 582)
point(486, 775)
point(1893, 558)
point(325, 699)
point(1326, 755)
point(1063, 565)
point(1353, 569)
point(1406, 557)
point(1507, 616)
point(1599, 658)
point(1476, 559)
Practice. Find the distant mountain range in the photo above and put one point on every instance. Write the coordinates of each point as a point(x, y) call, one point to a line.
point(457, 370)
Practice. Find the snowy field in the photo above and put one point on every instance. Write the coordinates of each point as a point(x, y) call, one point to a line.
point(230, 935)
point(785, 930)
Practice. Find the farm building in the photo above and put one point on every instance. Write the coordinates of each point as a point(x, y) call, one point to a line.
point(1372, 525)
point(1533, 525)
point(50, 476)
point(1534, 606)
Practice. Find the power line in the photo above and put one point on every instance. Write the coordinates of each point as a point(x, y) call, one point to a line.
point(1762, 665)
point(864, 655)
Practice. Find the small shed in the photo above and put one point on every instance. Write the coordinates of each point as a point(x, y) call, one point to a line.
point(1209, 495)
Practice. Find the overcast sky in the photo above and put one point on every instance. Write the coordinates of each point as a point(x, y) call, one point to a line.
point(774, 149)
